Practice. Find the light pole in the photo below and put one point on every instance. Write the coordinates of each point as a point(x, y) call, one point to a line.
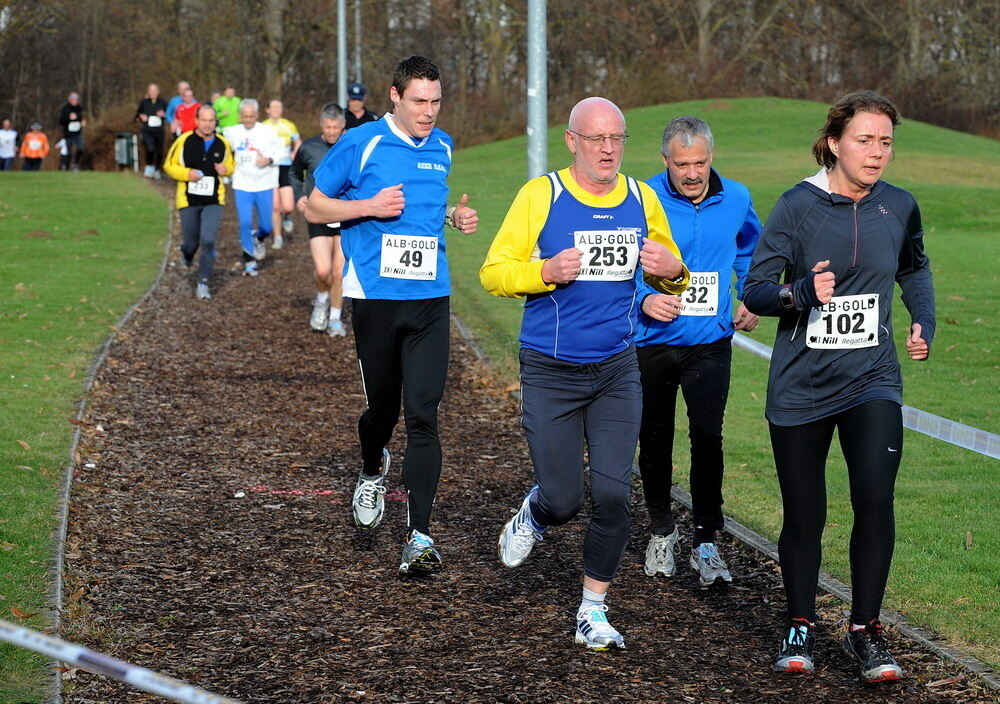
point(537, 89)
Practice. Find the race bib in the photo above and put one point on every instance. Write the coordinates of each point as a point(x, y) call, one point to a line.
point(34, 144)
point(608, 255)
point(246, 157)
point(154, 121)
point(409, 257)
point(205, 186)
point(701, 297)
point(845, 322)
point(74, 126)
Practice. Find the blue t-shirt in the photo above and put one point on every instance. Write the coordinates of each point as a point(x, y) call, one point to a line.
point(172, 107)
point(400, 258)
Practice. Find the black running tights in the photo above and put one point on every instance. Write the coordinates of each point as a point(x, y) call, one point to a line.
point(403, 351)
point(871, 438)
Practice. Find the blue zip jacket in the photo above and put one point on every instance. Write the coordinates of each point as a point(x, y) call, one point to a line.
point(717, 235)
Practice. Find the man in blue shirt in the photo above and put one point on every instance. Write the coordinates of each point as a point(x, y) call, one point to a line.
point(685, 341)
point(174, 102)
point(386, 183)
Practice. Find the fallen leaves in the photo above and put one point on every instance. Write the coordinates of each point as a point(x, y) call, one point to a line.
point(23, 614)
point(24, 445)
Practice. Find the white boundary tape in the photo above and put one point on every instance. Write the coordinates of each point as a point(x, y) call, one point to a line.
point(981, 441)
point(146, 680)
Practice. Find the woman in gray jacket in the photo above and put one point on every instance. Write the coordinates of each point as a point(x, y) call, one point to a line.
point(826, 264)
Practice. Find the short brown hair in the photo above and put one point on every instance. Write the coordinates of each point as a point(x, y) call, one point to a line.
point(842, 113)
point(414, 67)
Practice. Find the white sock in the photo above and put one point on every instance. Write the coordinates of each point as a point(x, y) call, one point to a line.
point(334, 313)
point(591, 599)
point(323, 297)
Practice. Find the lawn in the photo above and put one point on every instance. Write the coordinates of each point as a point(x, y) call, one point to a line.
point(79, 249)
point(944, 493)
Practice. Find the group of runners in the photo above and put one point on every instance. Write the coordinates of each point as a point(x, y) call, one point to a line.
point(628, 298)
point(33, 145)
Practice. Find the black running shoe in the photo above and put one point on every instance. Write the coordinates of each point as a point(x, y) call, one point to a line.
point(420, 557)
point(796, 651)
point(869, 648)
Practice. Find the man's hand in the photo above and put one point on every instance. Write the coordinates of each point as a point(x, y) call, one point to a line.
point(824, 281)
point(466, 219)
point(744, 319)
point(143, 118)
point(916, 346)
point(660, 306)
point(387, 203)
point(657, 260)
point(194, 175)
point(263, 161)
point(220, 168)
point(300, 205)
point(562, 268)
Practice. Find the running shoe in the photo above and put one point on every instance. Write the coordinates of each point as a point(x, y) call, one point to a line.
point(796, 651)
point(279, 241)
point(518, 535)
point(336, 329)
point(705, 560)
point(419, 555)
point(259, 248)
point(287, 225)
point(148, 172)
point(660, 554)
point(868, 647)
point(157, 174)
point(250, 269)
point(201, 292)
point(188, 261)
point(594, 631)
point(369, 496)
point(320, 315)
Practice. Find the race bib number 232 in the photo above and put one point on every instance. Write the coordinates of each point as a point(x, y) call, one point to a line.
point(409, 257)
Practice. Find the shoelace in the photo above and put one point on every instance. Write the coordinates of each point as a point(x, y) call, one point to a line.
point(711, 557)
point(662, 547)
point(597, 617)
point(369, 491)
point(525, 536)
point(877, 646)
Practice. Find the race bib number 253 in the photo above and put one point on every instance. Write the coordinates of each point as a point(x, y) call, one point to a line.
point(608, 255)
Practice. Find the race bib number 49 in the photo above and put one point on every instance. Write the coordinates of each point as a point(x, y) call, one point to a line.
point(409, 257)
point(701, 297)
point(608, 255)
point(845, 322)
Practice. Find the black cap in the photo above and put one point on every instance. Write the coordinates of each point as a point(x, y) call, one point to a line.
point(356, 91)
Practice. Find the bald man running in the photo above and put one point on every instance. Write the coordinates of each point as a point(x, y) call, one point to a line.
point(576, 243)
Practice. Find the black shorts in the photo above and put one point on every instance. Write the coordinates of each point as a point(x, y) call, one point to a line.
point(322, 231)
point(283, 179)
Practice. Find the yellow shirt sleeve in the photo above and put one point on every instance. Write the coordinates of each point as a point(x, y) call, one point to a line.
point(513, 267)
point(659, 231)
point(174, 163)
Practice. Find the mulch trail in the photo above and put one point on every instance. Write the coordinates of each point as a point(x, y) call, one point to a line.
point(211, 539)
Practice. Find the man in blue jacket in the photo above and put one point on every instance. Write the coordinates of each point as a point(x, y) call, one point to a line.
point(716, 228)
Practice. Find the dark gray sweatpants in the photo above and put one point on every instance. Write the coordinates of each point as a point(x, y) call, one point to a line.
point(199, 226)
point(565, 405)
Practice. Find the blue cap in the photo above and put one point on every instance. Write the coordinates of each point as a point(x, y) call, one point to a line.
point(356, 91)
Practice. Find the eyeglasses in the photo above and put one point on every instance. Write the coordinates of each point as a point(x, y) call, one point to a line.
point(595, 139)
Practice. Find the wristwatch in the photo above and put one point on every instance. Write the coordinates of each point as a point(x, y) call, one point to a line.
point(786, 297)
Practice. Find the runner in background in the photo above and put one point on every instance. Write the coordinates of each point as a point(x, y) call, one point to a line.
point(34, 147)
point(324, 240)
point(186, 113)
point(256, 151)
point(227, 107)
point(826, 266)
point(62, 149)
point(72, 120)
point(172, 106)
point(8, 146)
point(197, 161)
point(284, 200)
point(397, 277)
point(685, 342)
point(151, 113)
point(357, 113)
point(576, 243)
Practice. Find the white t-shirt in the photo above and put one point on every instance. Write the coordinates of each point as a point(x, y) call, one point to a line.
point(8, 144)
point(247, 146)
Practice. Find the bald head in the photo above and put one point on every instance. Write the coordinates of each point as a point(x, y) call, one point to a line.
point(591, 109)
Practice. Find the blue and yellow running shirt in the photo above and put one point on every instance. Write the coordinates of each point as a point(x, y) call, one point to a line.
point(400, 258)
point(595, 316)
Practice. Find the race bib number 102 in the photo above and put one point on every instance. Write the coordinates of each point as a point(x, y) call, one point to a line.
point(409, 257)
point(845, 322)
point(608, 255)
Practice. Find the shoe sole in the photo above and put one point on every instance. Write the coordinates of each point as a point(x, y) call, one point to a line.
point(321, 328)
point(597, 648)
point(421, 566)
point(796, 666)
point(887, 674)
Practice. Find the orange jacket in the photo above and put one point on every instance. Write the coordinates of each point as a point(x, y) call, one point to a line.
point(35, 145)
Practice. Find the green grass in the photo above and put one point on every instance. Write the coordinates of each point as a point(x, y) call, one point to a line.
point(78, 250)
point(942, 491)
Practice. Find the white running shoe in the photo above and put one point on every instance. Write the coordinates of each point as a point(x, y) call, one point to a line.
point(368, 504)
point(250, 269)
point(201, 292)
point(288, 226)
point(320, 315)
point(259, 248)
point(336, 329)
point(518, 536)
point(420, 557)
point(279, 241)
point(705, 560)
point(660, 554)
point(594, 631)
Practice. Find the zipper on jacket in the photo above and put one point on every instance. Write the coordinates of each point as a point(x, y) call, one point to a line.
point(854, 261)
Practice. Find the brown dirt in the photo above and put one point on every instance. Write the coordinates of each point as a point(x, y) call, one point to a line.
point(212, 539)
